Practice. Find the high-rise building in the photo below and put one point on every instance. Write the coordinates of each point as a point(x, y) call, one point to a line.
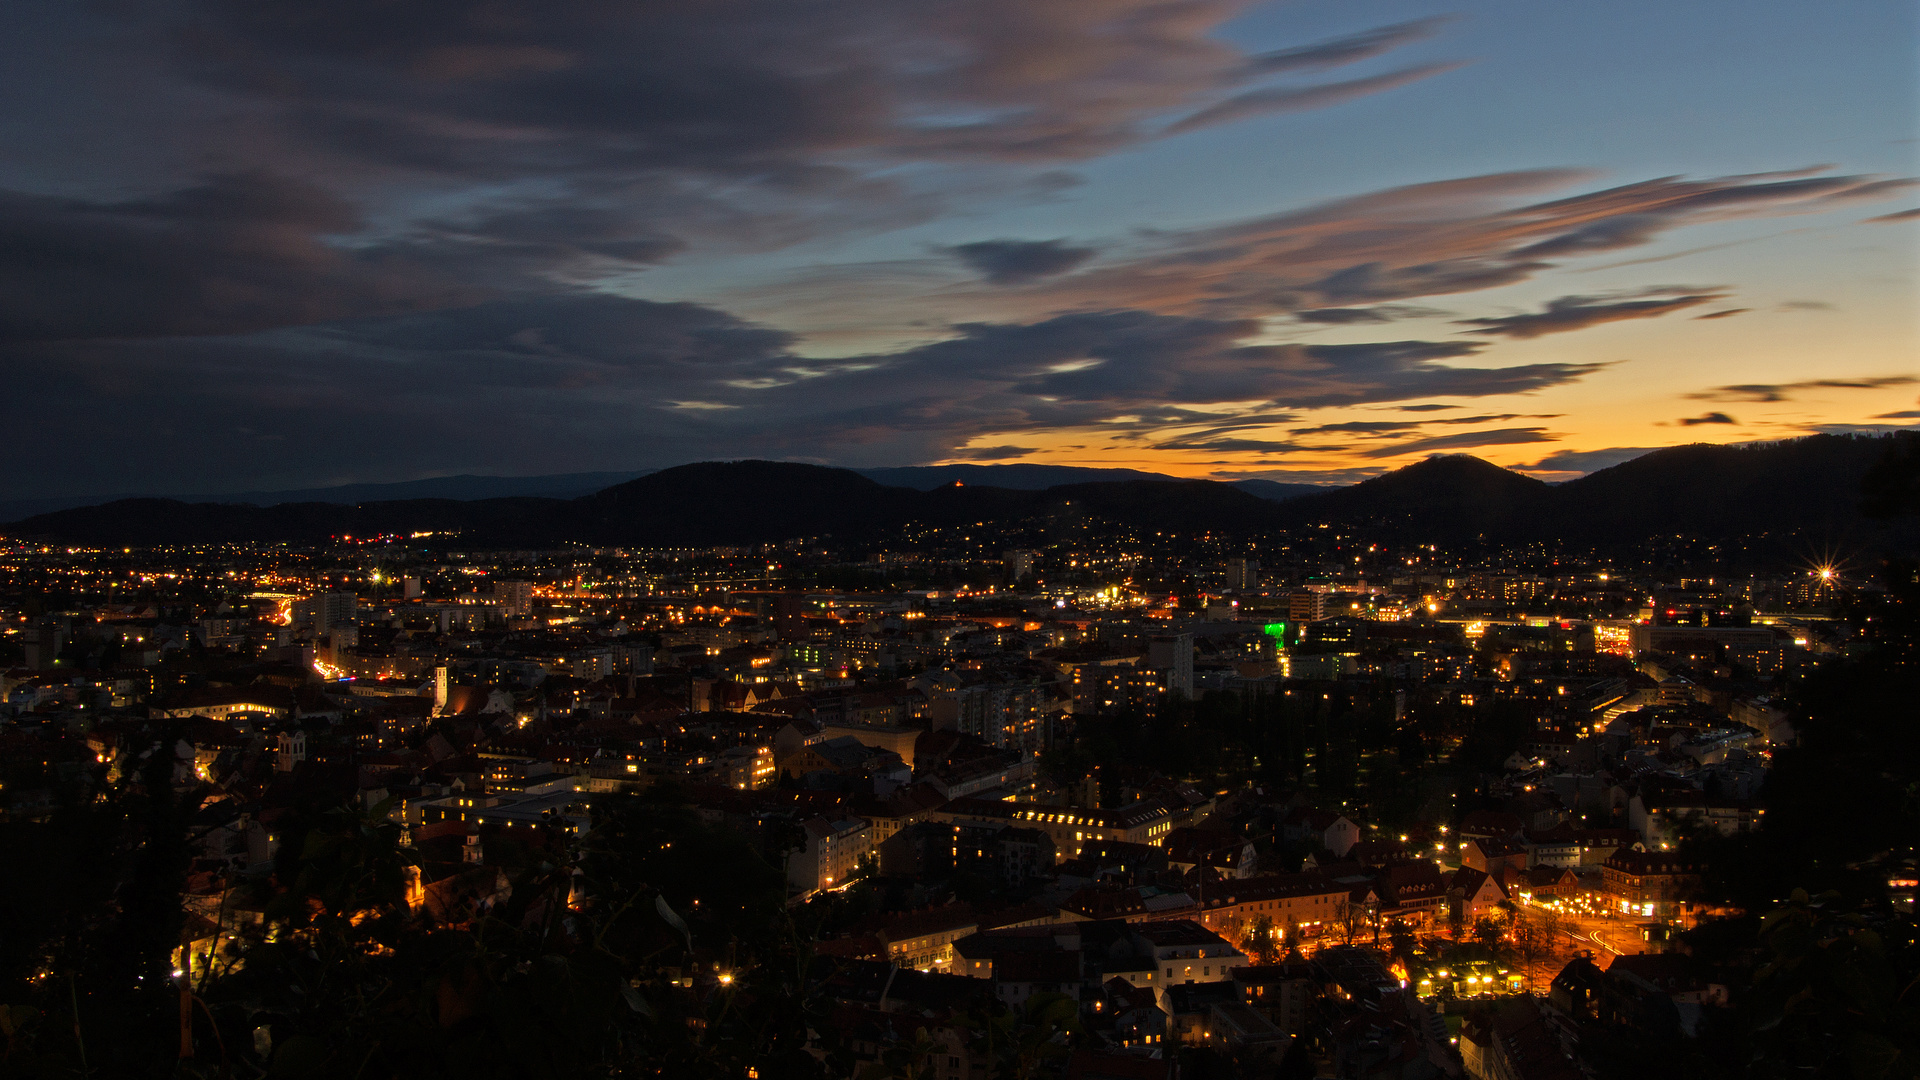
point(324, 611)
point(1020, 564)
point(1243, 575)
point(514, 597)
point(341, 641)
point(1173, 654)
point(43, 644)
point(1306, 605)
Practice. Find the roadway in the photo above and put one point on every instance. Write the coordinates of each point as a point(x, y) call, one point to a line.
point(1589, 933)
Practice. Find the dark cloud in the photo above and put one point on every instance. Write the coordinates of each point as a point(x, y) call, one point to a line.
point(1898, 215)
point(995, 453)
point(1257, 446)
point(1155, 426)
point(1430, 407)
point(547, 383)
point(1381, 426)
point(575, 335)
point(1343, 316)
point(1349, 316)
point(1147, 419)
point(1708, 418)
point(1725, 313)
point(455, 149)
point(509, 387)
point(1137, 356)
point(1765, 392)
point(515, 86)
point(238, 252)
point(1908, 414)
point(1464, 440)
point(1579, 312)
point(1016, 262)
point(546, 234)
point(1360, 427)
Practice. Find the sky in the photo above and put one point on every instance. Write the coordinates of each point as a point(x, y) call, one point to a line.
point(253, 245)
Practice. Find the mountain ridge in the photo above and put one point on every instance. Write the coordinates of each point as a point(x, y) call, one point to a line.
point(1804, 484)
point(469, 487)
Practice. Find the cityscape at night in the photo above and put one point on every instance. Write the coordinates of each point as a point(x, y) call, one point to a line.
point(971, 540)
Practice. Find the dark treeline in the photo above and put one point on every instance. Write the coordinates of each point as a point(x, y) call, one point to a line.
point(657, 945)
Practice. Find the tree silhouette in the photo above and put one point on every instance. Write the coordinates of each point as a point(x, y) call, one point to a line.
point(1018, 1044)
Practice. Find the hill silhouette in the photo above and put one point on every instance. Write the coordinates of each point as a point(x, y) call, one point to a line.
point(1801, 484)
point(1452, 496)
point(1019, 477)
point(1804, 486)
point(1809, 486)
point(733, 502)
point(1277, 491)
point(699, 505)
point(1037, 477)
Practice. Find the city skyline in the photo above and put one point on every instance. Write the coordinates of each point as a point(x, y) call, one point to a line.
point(252, 250)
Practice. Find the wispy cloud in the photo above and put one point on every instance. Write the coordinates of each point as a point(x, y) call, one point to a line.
point(1350, 261)
point(1236, 446)
point(1383, 426)
point(1579, 312)
point(1285, 475)
point(1462, 441)
point(1767, 392)
point(1351, 316)
point(1344, 50)
point(994, 453)
point(1279, 99)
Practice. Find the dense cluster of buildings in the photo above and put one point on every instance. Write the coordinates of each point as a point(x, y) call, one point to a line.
point(898, 739)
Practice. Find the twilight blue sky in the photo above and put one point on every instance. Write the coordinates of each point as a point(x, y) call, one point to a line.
point(246, 246)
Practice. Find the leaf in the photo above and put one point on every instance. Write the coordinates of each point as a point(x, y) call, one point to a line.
point(636, 1002)
point(1871, 1054)
point(673, 918)
point(301, 1057)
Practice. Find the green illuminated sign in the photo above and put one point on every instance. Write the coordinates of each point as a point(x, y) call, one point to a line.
point(1277, 631)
